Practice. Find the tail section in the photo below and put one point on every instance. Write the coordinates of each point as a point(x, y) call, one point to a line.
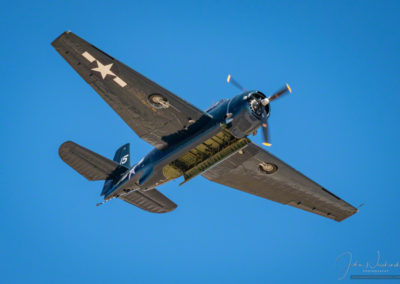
point(122, 157)
point(95, 167)
point(150, 200)
point(88, 163)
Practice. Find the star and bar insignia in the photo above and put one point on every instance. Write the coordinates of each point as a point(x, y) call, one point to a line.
point(104, 70)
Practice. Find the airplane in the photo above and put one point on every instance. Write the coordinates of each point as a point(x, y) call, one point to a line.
point(187, 141)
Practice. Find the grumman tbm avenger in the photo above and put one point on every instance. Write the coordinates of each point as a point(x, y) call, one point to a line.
point(188, 141)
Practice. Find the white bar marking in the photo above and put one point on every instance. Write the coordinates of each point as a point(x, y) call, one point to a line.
point(119, 81)
point(88, 56)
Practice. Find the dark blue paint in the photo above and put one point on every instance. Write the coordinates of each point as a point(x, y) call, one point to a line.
point(143, 171)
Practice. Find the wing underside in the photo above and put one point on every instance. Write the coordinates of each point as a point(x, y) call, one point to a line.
point(258, 172)
point(155, 114)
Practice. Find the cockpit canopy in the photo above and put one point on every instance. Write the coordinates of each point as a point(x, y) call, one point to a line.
point(216, 104)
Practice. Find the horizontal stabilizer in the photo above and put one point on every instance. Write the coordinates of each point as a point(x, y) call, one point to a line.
point(150, 200)
point(88, 163)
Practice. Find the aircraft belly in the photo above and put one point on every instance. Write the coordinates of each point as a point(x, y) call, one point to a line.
point(190, 158)
point(203, 154)
point(159, 175)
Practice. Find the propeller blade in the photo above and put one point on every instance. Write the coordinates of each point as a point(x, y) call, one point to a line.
point(235, 83)
point(266, 137)
point(264, 125)
point(280, 93)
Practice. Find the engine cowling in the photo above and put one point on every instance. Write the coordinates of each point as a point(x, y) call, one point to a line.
point(247, 111)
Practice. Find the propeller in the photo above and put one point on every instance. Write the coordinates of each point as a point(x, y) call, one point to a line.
point(235, 83)
point(278, 94)
point(264, 119)
point(263, 102)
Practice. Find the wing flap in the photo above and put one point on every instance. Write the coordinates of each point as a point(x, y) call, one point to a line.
point(86, 162)
point(130, 94)
point(150, 200)
point(285, 185)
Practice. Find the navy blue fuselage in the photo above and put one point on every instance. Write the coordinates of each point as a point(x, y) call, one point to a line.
point(234, 114)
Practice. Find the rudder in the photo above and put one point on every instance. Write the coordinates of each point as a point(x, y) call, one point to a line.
point(122, 157)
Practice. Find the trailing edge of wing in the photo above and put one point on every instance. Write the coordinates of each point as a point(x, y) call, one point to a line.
point(150, 200)
point(88, 163)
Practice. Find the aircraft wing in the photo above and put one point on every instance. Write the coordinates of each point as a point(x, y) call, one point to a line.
point(150, 200)
point(247, 172)
point(154, 113)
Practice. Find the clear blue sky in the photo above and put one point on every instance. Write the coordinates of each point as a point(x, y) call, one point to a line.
point(340, 127)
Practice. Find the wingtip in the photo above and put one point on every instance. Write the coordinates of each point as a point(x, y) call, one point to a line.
point(54, 42)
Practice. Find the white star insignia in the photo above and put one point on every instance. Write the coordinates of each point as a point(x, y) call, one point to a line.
point(104, 70)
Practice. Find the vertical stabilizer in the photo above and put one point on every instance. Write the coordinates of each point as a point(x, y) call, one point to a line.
point(122, 157)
